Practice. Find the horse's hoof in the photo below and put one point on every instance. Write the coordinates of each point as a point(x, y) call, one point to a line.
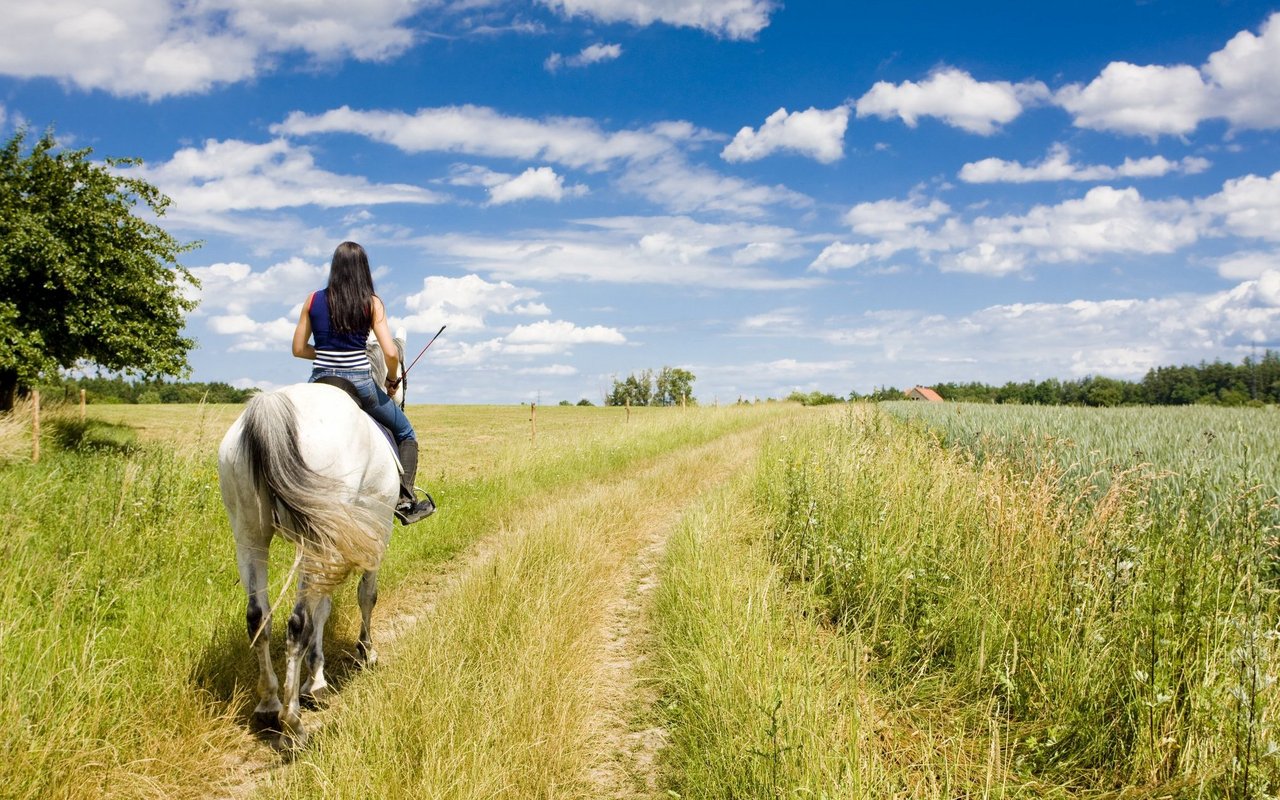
point(317, 696)
point(261, 721)
point(370, 658)
point(288, 744)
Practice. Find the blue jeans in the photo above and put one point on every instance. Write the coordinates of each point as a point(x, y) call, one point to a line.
point(373, 400)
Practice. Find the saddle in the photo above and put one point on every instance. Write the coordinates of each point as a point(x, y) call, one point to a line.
point(348, 387)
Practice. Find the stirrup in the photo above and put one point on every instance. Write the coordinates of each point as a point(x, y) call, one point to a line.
point(411, 511)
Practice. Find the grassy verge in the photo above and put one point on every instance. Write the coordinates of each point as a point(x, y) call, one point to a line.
point(123, 661)
point(758, 699)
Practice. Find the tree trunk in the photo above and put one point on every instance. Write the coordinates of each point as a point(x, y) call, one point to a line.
point(8, 389)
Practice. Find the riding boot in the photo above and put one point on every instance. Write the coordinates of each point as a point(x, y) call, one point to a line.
point(410, 509)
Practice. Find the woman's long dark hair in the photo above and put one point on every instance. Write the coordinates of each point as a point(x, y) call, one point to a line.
point(350, 289)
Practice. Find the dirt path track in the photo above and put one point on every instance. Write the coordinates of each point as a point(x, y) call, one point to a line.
point(632, 516)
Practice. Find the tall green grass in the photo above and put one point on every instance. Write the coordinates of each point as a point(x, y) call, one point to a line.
point(1116, 640)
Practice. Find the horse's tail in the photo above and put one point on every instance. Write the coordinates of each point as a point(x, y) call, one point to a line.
point(335, 535)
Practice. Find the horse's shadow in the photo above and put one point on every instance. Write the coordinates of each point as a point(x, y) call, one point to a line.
point(226, 671)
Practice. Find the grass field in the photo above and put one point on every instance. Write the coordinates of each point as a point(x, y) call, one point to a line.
point(766, 601)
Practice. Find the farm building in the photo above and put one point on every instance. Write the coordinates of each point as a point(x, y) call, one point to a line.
point(924, 393)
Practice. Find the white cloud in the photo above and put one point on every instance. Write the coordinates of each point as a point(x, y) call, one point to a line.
point(1148, 100)
point(157, 48)
point(1057, 166)
point(1022, 341)
point(682, 188)
point(1248, 264)
point(253, 336)
point(234, 287)
point(1249, 206)
point(476, 130)
point(628, 250)
point(1244, 72)
point(883, 217)
point(731, 19)
point(650, 160)
point(1105, 221)
point(232, 175)
point(953, 96)
point(554, 370)
point(592, 54)
point(534, 183)
point(562, 332)
point(814, 133)
point(462, 303)
point(1237, 84)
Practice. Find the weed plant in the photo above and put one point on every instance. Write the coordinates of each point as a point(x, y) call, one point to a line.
point(1122, 636)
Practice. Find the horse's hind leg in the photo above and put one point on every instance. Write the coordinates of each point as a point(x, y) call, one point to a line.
point(367, 594)
point(251, 558)
point(298, 640)
point(314, 686)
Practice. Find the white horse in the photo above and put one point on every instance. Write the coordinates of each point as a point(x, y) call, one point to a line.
point(305, 461)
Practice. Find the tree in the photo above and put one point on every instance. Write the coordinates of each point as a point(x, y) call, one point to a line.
point(82, 278)
point(675, 385)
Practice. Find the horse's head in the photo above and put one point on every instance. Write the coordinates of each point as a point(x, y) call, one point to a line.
point(379, 367)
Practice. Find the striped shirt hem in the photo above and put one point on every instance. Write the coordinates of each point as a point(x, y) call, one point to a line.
point(341, 359)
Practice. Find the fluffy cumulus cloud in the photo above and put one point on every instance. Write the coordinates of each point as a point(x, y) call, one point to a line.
point(463, 303)
point(732, 19)
point(231, 288)
point(591, 54)
point(813, 132)
point(559, 333)
point(157, 48)
point(534, 183)
point(1058, 166)
point(253, 336)
point(955, 97)
point(1248, 206)
point(1237, 83)
point(233, 175)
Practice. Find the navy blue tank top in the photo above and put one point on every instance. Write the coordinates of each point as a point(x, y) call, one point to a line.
point(335, 350)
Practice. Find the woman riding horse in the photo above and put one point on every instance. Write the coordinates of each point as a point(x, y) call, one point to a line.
point(340, 317)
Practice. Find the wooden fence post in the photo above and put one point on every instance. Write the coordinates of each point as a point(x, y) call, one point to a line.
point(533, 422)
point(82, 406)
point(628, 409)
point(35, 426)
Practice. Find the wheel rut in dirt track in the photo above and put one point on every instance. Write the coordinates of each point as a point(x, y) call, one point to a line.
point(621, 719)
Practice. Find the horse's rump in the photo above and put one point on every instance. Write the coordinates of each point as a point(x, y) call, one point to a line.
point(315, 510)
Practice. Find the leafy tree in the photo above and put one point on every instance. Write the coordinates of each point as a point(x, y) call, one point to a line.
point(585, 402)
point(82, 278)
point(673, 386)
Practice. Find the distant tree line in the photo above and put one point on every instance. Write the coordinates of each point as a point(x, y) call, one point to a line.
point(671, 386)
point(119, 390)
point(1255, 381)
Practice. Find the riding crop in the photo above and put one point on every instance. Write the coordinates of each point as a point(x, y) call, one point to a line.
point(404, 371)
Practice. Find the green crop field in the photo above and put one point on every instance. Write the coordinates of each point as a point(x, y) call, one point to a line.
point(752, 601)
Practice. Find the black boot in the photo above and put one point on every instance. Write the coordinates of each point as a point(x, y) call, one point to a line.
point(410, 509)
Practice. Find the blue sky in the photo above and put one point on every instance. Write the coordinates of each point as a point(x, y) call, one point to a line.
point(810, 195)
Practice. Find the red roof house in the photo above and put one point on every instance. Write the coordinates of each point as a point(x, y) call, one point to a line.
point(924, 393)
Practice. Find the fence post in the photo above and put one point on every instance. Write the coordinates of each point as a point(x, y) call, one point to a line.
point(82, 406)
point(533, 422)
point(35, 426)
point(628, 409)
point(683, 398)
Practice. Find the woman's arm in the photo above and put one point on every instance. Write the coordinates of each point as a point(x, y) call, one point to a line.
point(383, 334)
point(302, 333)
